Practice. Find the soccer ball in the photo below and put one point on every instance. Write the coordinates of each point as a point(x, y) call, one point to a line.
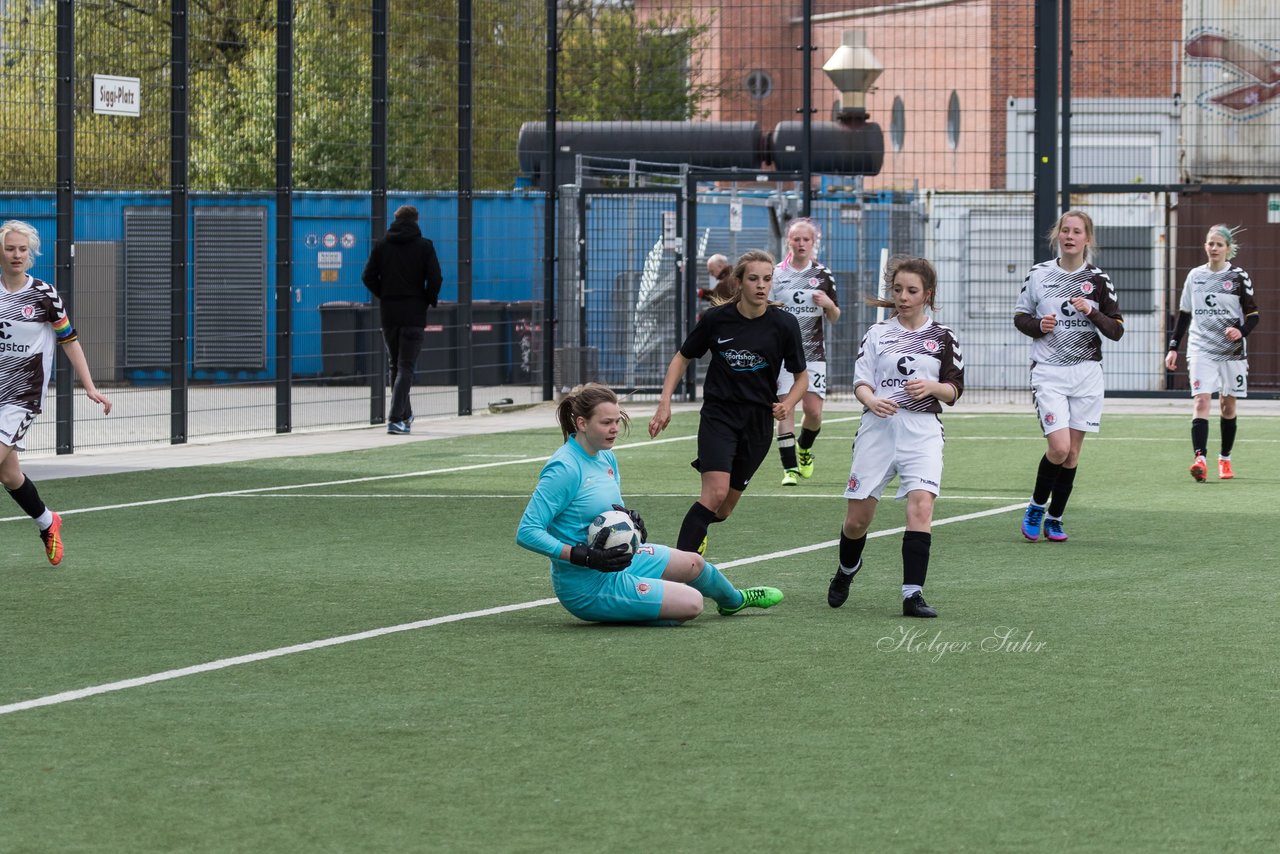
point(622, 531)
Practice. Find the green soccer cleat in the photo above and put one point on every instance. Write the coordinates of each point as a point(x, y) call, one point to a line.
point(790, 477)
point(805, 457)
point(755, 597)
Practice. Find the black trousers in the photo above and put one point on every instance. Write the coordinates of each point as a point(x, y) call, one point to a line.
point(404, 343)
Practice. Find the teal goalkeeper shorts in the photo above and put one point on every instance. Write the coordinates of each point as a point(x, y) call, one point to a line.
point(631, 596)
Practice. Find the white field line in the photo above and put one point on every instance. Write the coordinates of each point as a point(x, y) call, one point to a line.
point(452, 469)
point(224, 663)
point(950, 520)
point(789, 496)
point(345, 482)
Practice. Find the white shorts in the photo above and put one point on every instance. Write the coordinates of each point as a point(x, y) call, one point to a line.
point(908, 444)
point(1227, 379)
point(14, 423)
point(817, 380)
point(1068, 396)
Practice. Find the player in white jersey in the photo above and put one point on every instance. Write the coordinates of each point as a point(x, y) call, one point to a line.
point(32, 320)
point(908, 366)
point(807, 290)
point(1064, 305)
point(1218, 307)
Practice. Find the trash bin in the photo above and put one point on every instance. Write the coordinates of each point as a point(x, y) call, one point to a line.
point(524, 319)
point(347, 342)
point(489, 361)
point(438, 362)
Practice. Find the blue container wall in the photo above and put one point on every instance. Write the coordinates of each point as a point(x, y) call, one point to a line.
point(507, 246)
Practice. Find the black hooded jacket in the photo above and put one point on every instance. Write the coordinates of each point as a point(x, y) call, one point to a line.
point(404, 273)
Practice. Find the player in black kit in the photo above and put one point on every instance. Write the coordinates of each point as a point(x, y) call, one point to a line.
point(750, 340)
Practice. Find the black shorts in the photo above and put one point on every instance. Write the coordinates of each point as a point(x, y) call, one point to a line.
point(734, 439)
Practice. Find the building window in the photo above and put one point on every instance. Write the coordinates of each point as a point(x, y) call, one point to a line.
point(759, 85)
point(953, 121)
point(898, 123)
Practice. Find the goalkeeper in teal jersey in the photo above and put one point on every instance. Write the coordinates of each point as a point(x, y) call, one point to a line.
point(657, 585)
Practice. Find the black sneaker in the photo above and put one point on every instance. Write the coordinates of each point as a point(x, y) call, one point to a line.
point(838, 590)
point(915, 606)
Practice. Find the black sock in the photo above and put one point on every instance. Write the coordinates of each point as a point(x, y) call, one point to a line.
point(808, 437)
point(915, 556)
point(851, 550)
point(694, 527)
point(1062, 492)
point(787, 450)
point(28, 498)
point(1046, 477)
point(1228, 428)
point(1199, 435)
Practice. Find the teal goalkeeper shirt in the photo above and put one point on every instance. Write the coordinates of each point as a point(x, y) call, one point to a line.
point(573, 488)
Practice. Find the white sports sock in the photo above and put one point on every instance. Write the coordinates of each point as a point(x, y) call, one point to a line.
point(909, 590)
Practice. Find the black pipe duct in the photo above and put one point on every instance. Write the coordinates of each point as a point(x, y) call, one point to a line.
point(838, 149)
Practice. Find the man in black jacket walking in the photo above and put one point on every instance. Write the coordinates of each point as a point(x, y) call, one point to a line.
point(403, 272)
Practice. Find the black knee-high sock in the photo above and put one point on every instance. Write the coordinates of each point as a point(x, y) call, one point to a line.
point(808, 437)
point(915, 556)
point(1228, 427)
point(1062, 492)
point(1046, 478)
point(28, 498)
point(787, 450)
point(851, 550)
point(694, 527)
point(1199, 435)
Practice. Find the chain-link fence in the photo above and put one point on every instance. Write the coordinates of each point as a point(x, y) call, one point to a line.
point(208, 179)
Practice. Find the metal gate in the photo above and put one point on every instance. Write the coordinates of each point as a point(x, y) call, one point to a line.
point(627, 301)
point(622, 314)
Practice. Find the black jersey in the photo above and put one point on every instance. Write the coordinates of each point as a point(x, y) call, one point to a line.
point(747, 354)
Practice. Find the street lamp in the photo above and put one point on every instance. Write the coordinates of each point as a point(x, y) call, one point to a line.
point(853, 68)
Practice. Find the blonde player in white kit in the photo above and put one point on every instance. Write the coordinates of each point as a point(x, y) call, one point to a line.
point(806, 290)
point(908, 366)
point(33, 322)
point(1217, 305)
point(1064, 304)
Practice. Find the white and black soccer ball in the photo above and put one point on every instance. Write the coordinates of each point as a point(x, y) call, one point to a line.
point(622, 531)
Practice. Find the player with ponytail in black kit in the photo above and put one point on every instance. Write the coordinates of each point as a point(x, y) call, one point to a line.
point(750, 341)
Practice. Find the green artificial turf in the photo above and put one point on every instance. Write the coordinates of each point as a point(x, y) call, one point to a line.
point(1113, 693)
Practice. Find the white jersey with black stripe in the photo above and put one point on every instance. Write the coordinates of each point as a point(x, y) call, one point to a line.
point(1216, 301)
point(1049, 289)
point(891, 355)
point(794, 289)
point(33, 321)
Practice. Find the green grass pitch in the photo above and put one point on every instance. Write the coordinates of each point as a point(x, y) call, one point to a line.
point(1113, 693)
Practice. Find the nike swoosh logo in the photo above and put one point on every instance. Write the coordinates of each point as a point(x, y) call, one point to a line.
point(723, 340)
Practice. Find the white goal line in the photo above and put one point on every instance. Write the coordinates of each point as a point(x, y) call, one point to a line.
point(235, 661)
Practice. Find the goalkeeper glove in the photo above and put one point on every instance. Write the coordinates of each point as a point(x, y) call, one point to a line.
point(635, 520)
point(596, 556)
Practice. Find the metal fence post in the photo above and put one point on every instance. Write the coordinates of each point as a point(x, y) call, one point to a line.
point(66, 211)
point(179, 157)
point(284, 216)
